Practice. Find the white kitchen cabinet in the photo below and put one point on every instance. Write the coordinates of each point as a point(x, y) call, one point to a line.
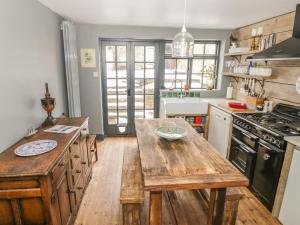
point(219, 130)
point(290, 210)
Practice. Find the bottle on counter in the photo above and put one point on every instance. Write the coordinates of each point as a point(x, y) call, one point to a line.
point(229, 92)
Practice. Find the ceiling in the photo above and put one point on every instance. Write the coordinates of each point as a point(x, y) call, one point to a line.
point(214, 14)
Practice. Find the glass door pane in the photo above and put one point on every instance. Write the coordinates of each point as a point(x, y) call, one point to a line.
point(116, 80)
point(145, 70)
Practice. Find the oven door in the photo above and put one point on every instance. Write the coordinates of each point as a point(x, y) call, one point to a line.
point(245, 136)
point(267, 172)
point(242, 157)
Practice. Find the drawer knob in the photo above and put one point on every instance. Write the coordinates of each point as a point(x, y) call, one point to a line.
point(61, 164)
point(72, 191)
point(78, 171)
point(83, 163)
point(76, 156)
point(80, 188)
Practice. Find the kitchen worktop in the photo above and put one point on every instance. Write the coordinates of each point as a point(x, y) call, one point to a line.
point(221, 103)
point(295, 140)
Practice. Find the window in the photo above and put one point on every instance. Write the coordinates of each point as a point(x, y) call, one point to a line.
point(191, 71)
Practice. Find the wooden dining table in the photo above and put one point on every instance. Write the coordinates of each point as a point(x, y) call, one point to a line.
point(187, 163)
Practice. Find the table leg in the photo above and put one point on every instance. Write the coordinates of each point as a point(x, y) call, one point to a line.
point(155, 208)
point(216, 206)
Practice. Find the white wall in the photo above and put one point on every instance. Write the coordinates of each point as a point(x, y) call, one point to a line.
point(88, 37)
point(31, 54)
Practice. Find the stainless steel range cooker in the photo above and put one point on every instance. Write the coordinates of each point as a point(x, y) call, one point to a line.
point(258, 147)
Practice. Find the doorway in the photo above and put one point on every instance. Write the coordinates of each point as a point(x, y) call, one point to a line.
point(129, 83)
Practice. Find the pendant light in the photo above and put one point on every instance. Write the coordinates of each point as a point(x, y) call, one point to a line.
point(183, 42)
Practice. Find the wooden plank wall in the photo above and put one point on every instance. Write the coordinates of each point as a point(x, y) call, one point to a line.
point(282, 87)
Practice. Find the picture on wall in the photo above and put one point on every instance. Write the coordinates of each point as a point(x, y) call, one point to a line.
point(88, 57)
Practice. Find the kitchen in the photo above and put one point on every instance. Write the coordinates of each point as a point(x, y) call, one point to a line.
point(148, 122)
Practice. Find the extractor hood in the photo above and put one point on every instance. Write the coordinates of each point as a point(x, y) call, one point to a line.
point(286, 50)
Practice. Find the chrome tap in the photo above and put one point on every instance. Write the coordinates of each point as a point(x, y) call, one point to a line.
point(181, 87)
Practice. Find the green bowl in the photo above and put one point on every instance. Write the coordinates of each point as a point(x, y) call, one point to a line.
point(171, 133)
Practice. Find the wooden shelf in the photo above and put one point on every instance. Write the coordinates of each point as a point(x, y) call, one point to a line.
point(242, 53)
point(241, 75)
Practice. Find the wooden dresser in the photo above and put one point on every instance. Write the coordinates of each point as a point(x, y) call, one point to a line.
point(46, 189)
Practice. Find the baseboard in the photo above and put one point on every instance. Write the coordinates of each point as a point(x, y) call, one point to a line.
point(100, 137)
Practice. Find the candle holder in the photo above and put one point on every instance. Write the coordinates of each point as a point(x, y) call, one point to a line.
point(48, 104)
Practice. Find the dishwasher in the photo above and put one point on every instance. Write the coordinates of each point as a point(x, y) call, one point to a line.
point(289, 213)
point(219, 130)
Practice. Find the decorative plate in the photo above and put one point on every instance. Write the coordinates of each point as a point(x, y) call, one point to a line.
point(171, 133)
point(35, 147)
point(298, 85)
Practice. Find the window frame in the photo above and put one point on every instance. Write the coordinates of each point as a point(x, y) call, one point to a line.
point(204, 56)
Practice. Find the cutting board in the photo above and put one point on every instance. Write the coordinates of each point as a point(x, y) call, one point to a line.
point(227, 108)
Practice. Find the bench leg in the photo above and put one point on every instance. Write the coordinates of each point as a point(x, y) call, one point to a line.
point(216, 206)
point(155, 208)
point(96, 150)
point(131, 214)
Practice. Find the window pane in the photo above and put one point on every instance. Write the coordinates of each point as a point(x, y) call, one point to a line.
point(205, 80)
point(111, 70)
point(149, 101)
point(168, 48)
point(170, 65)
point(139, 114)
point(196, 84)
point(111, 86)
point(112, 117)
point(197, 66)
point(208, 63)
point(150, 52)
point(149, 86)
point(182, 65)
point(121, 53)
point(139, 86)
point(178, 84)
point(122, 118)
point(210, 49)
point(139, 70)
point(149, 114)
point(149, 70)
point(122, 70)
point(122, 102)
point(139, 54)
point(139, 102)
point(110, 52)
point(196, 81)
point(198, 49)
point(181, 77)
point(111, 102)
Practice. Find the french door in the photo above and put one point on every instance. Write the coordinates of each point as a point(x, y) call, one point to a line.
point(129, 83)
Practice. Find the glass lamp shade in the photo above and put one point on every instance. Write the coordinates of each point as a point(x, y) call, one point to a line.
point(183, 44)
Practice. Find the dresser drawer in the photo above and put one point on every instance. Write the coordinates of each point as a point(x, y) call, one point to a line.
point(74, 149)
point(59, 168)
point(76, 173)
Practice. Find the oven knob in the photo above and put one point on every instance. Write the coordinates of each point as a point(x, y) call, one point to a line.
point(272, 140)
point(247, 127)
point(277, 142)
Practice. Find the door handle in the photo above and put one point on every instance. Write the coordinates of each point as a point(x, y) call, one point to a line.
point(128, 92)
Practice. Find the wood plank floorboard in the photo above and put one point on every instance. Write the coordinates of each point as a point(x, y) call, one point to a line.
point(101, 204)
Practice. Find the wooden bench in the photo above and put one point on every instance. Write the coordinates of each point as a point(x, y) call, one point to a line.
point(233, 197)
point(132, 191)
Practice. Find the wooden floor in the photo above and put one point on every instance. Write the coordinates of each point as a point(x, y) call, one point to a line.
point(101, 205)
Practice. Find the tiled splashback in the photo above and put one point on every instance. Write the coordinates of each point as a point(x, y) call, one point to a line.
point(171, 94)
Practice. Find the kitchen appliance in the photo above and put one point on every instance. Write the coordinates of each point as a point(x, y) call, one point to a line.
point(285, 50)
point(258, 147)
point(219, 129)
point(289, 213)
